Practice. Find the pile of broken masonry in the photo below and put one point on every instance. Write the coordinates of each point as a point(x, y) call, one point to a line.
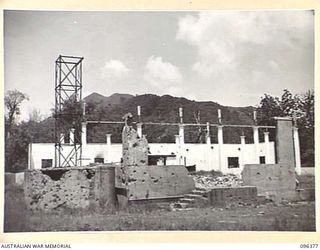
point(208, 181)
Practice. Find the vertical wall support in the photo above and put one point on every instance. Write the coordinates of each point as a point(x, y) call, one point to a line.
point(242, 153)
point(181, 115)
point(181, 143)
point(209, 150)
point(177, 140)
point(62, 138)
point(30, 165)
point(139, 129)
point(108, 136)
point(84, 134)
point(208, 138)
point(220, 143)
point(256, 143)
point(71, 137)
point(297, 150)
point(284, 142)
point(267, 147)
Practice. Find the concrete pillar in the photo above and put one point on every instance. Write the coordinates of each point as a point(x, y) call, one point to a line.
point(139, 129)
point(84, 134)
point(284, 142)
point(242, 153)
point(84, 108)
point(297, 150)
point(267, 147)
point(62, 138)
point(208, 138)
point(181, 144)
point(181, 134)
point(108, 136)
point(209, 150)
point(219, 116)
point(71, 139)
point(220, 143)
point(181, 115)
point(178, 157)
point(256, 143)
point(30, 165)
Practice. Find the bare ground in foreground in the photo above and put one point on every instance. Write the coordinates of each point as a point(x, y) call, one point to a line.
point(268, 217)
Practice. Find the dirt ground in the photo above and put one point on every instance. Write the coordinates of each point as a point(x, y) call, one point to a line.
point(268, 217)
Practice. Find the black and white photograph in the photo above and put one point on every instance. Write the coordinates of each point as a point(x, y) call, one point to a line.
point(159, 120)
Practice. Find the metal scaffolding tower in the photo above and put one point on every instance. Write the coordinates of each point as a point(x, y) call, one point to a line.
point(68, 111)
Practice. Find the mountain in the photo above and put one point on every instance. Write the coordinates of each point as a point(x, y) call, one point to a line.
point(114, 99)
point(164, 108)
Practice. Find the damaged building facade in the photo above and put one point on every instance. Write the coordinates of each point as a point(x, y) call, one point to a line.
point(227, 158)
point(81, 175)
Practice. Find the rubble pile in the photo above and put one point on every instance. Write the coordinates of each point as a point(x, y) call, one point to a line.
point(208, 181)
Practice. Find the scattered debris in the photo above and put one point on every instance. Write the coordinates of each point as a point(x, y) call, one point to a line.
point(208, 181)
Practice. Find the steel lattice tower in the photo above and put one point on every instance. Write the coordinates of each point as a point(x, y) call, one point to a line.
point(68, 111)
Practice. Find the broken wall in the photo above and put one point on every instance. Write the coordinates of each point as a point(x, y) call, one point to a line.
point(224, 196)
point(135, 149)
point(154, 182)
point(276, 181)
point(72, 188)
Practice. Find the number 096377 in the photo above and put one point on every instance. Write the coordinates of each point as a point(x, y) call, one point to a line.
point(309, 246)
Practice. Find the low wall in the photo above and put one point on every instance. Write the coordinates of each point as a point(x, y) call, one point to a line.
point(72, 188)
point(275, 181)
point(307, 171)
point(221, 197)
point(154, 182)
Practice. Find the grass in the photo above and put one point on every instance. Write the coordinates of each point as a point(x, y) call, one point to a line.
point(268, 217)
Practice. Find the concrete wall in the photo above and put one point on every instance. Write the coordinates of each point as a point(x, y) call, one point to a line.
point(154, 182)
point(72, 188)
point(232, 195)
point(276, 181)
point(205, 156)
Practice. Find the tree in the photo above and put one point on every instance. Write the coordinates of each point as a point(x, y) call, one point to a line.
point(35, 115)
point(301, 109)
point(12, 101)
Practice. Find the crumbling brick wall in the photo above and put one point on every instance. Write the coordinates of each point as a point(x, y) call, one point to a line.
point(72, 188)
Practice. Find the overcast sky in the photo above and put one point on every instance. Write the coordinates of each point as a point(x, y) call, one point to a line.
point(232, 58)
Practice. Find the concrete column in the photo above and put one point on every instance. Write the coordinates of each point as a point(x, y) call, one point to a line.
point(71, 140)
point(242, 154)
point(139, 129)
point(62, 138)
point(267, 147)
point(208, 138)
point(220, 143)
point(84, 108)
point(219, 116)
point(284, 142)
point(297, 150)
point(256, 143)
point(178, 147)
point(181, 144)
point(181, 134)
point(30, 165)
point(181, 115)
point(209, 150)
point(108, 136)
point(84, 134)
